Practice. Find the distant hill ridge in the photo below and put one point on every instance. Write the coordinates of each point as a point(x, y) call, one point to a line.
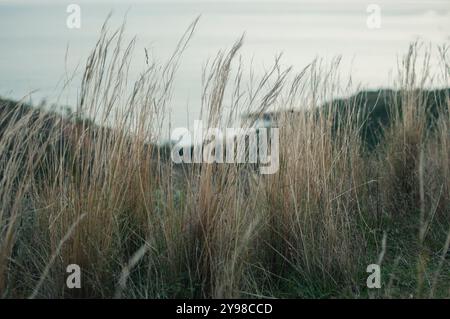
point(376, 107)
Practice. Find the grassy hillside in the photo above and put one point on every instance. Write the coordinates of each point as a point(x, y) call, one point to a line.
point(379, 108)
point(373, 111)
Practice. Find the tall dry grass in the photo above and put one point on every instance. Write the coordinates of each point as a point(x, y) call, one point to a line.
point(94, 189)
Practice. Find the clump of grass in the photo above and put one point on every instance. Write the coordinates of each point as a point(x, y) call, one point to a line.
point(95, 189)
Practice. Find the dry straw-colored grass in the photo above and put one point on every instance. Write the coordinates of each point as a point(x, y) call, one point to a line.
point(95, 190)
